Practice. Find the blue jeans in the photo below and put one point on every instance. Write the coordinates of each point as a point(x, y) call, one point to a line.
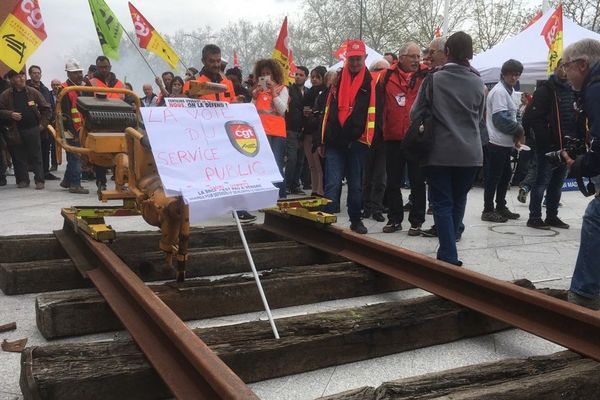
point(448, 189)
point(278, 147)
point(497, 176)
point(550, 180)
point(586, 278)
point(73, 171)
point(350, 162)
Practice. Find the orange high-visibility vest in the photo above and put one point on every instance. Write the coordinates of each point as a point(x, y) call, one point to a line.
point(273, 123)
point(367, 136)
point(74, 111)
point(228, 96)
point(118, 85)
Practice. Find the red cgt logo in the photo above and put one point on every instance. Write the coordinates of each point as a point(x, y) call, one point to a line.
point(243, 137)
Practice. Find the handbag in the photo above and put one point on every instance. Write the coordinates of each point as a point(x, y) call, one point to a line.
point(419, 138)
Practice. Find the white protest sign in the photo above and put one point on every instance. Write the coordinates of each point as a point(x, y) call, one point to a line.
point(215, 154)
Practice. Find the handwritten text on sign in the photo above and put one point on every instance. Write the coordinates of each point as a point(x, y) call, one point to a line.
point(213, 154)
point(206, 147)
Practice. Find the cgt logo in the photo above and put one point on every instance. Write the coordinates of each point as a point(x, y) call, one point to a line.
point(242, 136)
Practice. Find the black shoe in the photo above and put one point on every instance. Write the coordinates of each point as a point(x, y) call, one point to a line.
point(522, 197)
point(431, 232)
point(593, 304)
point(366, 214)
point(51, 177)
point(378, 217)
point(414, 231)
point(391, 227)
point(492, 216)
point(537, 223)
point(506, 213)
point(53, 168)
point(245, 217)
point(556, 222)
point(358, 227)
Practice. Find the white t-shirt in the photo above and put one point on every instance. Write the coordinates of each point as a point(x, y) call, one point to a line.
point(499, 99)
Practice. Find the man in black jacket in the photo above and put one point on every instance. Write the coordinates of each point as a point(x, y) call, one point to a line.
point(35, 81)
point(582, 66)
point(294, 122)
point(551, 115)
point(348, 125)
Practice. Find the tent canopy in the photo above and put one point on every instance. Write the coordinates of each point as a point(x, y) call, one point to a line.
point(529, 48)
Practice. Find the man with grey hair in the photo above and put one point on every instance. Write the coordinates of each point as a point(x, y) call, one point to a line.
point(150, 99)
point(398, 90)
point(581, 62)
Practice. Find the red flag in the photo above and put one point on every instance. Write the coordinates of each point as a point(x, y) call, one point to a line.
point(340, 53)
point(150, 39)
point(553, 27)
point(534, 19)
point(236, 62)
point(281, 52)
point(293, 67)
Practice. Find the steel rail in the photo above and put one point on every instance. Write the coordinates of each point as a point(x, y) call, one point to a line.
point(566, 324)
point(185, 363)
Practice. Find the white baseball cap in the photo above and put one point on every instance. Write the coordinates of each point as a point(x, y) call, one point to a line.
point(72, 65)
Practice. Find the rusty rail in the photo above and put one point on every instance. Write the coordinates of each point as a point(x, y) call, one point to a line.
point(185, 363)
point(566, 324)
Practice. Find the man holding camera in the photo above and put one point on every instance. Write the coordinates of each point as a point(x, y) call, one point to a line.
point(552, 117)
point(581, 62)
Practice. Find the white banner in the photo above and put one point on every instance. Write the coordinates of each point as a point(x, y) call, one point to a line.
point(215, 154)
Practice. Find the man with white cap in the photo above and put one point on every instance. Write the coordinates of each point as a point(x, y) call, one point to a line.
point(72, 123)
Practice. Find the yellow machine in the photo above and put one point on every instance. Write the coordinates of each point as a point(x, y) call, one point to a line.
point(111, 137)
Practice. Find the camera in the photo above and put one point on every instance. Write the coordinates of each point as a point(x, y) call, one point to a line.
point(574, 148)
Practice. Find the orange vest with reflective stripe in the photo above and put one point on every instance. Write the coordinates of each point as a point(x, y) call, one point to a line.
point(228, 96)
point(118, 85)
point(74, 111)
point(367, 136)
point(273, 123)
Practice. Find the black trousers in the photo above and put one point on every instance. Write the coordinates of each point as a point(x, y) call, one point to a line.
point(374, 180)
point(45, 142)
point(28, 150)
point(395, 164)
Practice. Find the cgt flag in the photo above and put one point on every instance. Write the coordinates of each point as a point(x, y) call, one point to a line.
point(21, 34)
point(281, 51)
point(108, 27)
point(150, 39)
point(553, 35)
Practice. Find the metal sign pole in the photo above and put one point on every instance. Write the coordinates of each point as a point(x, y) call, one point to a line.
point(255, 273)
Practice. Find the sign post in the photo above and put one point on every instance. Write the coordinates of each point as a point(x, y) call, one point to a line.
point(217, 157)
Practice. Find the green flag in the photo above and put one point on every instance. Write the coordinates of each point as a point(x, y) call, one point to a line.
point(108, 28)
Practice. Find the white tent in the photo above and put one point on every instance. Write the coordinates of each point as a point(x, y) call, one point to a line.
point(372, 55)
point(529, 48)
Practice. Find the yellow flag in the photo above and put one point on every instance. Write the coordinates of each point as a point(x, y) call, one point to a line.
point(150, 39)
point(21, 34)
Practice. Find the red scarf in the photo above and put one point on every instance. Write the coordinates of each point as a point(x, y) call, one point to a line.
point(347, 93)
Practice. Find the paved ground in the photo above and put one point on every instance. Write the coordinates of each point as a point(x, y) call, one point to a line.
point(505, 251)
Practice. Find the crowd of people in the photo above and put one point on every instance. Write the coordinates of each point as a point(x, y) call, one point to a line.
point(354, 127)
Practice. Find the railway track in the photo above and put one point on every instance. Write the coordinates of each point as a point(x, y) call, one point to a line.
point(312, 263)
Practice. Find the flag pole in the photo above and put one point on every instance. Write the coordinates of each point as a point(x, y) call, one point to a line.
point(139, 51)
point(445, 25)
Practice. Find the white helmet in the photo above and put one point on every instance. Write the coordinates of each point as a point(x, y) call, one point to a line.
point(72, 65)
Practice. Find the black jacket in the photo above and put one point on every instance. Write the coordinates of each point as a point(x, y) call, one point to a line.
point(294, 117)
point(552, 106)
point(342, 137)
